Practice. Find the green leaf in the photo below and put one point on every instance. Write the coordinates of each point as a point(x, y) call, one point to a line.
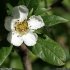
point(10, 7)
point(31, 4)
point(15, 61)
point(48, 17)
point(61, 12)
point(4, 52)
point(42, 3)
point(31, 56)
point(40, 11)
point(40, 30)
point(30, 13)
point(51, 20)
point(49, 51)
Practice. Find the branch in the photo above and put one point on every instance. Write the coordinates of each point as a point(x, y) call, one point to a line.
point(24, 57)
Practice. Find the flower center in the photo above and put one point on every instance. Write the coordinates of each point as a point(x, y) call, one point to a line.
point(21, 27)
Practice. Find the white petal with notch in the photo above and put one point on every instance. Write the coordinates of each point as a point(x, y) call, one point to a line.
point(20, 12)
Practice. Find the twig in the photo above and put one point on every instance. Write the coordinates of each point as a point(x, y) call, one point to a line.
point(25, 59)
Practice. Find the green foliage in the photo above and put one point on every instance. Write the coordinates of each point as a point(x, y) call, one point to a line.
point(62, 13)
point(51, 20)
point(49, 2)
point(15, 61)
point(31, 4)
point(53, 12)
point(40, 11)
point(10, 7)
point(4, 52)
point(49, 51)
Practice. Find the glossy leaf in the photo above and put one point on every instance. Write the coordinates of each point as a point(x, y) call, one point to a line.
point(49, 51)
point(51, 20)
point(48, 17)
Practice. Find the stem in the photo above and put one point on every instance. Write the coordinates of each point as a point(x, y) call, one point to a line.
point(25, 59)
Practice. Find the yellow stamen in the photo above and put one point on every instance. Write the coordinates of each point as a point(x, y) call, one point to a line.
point(21, 27)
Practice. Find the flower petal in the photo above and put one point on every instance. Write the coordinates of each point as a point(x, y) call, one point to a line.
point(30, 39)
point(7, 24)
point(14, 39)
point(10, 23)
point(20, 12)
point(35, 22)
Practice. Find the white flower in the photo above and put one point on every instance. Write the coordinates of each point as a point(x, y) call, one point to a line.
point(21, 28)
